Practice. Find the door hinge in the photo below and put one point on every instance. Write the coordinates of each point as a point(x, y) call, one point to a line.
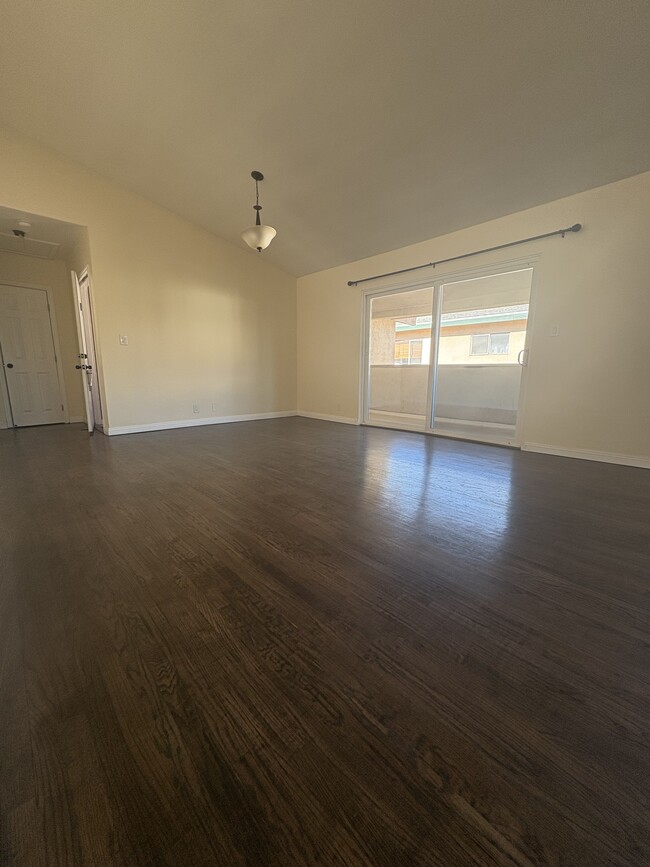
point(80, 306)
point(61, 406)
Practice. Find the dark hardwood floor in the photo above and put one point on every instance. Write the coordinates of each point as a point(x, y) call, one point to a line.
point(291, 642)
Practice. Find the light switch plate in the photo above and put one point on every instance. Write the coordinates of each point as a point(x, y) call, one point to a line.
point(555, 330)
point(124, 340)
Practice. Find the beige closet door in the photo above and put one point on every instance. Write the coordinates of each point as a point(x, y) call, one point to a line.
point(28, 357)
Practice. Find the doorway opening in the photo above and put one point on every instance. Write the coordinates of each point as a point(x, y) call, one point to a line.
point(450, 358)
point(45, 348)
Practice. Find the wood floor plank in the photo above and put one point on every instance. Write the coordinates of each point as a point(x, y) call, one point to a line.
point(297, 643)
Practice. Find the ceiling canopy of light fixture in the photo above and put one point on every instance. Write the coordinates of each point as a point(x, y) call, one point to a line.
point(259, 236)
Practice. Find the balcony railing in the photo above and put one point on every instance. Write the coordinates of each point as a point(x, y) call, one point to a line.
point(471, 392)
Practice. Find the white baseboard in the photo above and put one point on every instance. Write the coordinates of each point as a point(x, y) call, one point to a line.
point(193, 422)
point(341, 419)
point(588, 455)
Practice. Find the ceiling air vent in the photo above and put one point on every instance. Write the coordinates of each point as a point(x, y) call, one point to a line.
point(28, 246)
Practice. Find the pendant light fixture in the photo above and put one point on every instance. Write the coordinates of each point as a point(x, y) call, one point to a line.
point(259, 236)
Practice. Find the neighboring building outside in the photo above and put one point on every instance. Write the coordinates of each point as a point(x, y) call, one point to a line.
point(490, 336)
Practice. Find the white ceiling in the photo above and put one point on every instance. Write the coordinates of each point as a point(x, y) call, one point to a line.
point(378, 123)
point(63, 235)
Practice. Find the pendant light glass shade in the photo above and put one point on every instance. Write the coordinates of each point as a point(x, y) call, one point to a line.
point(259, 237)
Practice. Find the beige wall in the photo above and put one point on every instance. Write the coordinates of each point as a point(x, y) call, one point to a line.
point(588, 387)
point(207, 322)
point(55, 275)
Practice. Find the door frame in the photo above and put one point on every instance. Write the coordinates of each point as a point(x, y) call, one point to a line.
point(434, 282)
point(4, 388)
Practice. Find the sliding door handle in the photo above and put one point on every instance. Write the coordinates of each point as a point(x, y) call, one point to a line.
point(522, 358)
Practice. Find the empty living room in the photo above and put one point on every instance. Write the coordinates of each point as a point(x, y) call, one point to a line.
point(325, 433)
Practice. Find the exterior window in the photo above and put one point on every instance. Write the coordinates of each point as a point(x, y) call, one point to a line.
point(415, 354)
point(408, 352)
point(490, 344)
point(480, 344)
point(402, 352)
point(499, 344)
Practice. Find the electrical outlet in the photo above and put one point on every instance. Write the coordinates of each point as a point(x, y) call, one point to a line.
point(215, 407)
point(124, 340)
point(555, 331)
point(195, 407)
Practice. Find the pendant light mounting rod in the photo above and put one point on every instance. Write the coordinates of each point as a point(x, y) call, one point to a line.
point(259, 236)
point(257, 177)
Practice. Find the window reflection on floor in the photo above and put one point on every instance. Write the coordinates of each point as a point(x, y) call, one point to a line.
point(427, 490)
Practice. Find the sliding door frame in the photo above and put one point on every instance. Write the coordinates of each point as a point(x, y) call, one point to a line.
point(452, 276)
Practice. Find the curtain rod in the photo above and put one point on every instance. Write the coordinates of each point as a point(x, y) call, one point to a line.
point(575, 228)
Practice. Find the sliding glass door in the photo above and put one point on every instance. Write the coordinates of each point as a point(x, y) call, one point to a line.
point(400, 359)
point(480, 354)
point(449, 359)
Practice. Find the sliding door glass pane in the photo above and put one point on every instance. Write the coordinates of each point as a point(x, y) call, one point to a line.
point(480, 350)
point(400, 358)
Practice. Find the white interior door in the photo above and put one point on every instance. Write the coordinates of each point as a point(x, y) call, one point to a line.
point(86, 358)
point(88, 319)
point(28, 357)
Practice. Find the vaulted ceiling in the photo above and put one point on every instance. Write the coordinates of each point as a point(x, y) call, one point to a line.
point(377, 123)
